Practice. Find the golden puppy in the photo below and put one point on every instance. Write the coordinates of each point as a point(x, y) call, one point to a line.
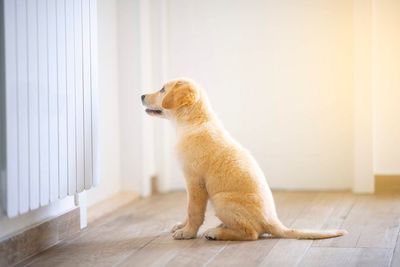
point(216, 167)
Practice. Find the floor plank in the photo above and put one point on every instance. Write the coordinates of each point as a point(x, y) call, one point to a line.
point(138, 235)
point(396, 254)
point(337, 218)
point(110, 241)
point(199, 253)
point(312, 217)
point(290, 206)
point(372, 222)
point(163, 250)
point(333, 257)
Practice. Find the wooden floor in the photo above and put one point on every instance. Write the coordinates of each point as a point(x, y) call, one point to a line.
point(138, 235)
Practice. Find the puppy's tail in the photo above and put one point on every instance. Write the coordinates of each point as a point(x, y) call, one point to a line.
point(279, 230)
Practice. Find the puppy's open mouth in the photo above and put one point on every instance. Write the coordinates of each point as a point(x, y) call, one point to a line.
point(154, 111)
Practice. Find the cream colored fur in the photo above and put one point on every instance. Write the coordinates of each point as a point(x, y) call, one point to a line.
point(219, 169)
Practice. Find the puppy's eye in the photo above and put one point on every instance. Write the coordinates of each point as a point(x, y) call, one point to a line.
point(162, 90)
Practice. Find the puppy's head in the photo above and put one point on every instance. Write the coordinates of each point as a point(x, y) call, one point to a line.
point(176, 95)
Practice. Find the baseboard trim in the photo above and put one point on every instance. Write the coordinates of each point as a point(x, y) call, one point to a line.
point(387, 184)
point(29, 242)
point(109, 205)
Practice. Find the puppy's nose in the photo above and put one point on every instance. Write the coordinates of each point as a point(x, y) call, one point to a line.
point(143, 97)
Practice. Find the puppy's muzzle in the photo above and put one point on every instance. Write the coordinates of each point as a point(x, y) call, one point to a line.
point(150, 111)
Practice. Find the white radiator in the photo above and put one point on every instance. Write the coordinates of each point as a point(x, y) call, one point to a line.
point(50, 49)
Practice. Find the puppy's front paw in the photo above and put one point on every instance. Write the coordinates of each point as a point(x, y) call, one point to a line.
point(177, 227)
point(183, 234)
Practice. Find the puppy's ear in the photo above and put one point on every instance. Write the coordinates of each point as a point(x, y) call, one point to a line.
point(182, 95)
point(168, 100)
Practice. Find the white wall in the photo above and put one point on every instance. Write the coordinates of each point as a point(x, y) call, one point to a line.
point(108, 82)
point(364, 180)
point(137, 152)
point(279, 74)
point(125, 42)
point(288, 63)
point(386, 86)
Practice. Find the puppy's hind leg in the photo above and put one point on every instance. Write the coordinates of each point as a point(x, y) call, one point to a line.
point(234, 227)
point(219, 233)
